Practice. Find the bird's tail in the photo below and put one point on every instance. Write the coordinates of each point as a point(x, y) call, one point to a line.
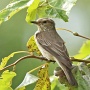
point(69, 75)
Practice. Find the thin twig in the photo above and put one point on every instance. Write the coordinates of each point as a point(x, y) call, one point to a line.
point(74, 33)
point(36, 68)
point(25, 57)
point(79, 60)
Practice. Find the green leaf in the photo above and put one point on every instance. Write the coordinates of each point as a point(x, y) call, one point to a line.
point(82, 75)
point(6, 79)
point(60, 8)
point(32, 10)
point(29, 79)
point(43, 82)
point(84, 52)
point(53, 80)
point(55, 83)
point(56, 9)
point(57, 13)
point(6, 59)
point(86, 72)
point(12, 8)
point(41, 11)
point(82, 83)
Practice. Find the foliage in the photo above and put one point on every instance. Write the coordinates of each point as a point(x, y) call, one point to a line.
point(43, 82)
point(44, 8)
point(32, 47)
point(6, 59)
point(84, 52)
point(6, 79)
point(55, 9)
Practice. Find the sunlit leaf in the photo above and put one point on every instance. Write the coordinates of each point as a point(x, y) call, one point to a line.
point(6, 59)
point(32, 47)
point(32, 10)
point(6, 79)
point(29, 79)
point(41, 11)
point(43, 82)
point(84, 52)
point(12, 8)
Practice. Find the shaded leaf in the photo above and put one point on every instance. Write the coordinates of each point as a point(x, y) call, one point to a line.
point(81, 73)
point(43, 82)
point(6, 59)
point(63, 87)
point(56, 83)
point(32, 47)
point(60, 8)
point(57, 13)
point(62, 83)
point(84, 52)
point(29, 79)
point(6, 79)
point(53, 81)
point(86, 72)
point(82, 83)
point(61, 76)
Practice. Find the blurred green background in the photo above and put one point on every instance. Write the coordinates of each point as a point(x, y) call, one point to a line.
point(15, 33)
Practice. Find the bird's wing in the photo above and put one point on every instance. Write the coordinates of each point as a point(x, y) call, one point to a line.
point(54, 44)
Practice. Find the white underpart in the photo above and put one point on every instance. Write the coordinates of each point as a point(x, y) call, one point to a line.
point(43, 51)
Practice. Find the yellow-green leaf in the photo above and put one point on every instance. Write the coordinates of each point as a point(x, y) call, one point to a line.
point(43, 82)
point(84, 52)
point(31, 11)
point(32, 47)
point(6, 80)
point(6, 59)
point(41, 11)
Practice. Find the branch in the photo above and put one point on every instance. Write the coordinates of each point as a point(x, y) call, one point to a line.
point(25, 57)
point(79, 60)
point(41, 58)
point(74, 33)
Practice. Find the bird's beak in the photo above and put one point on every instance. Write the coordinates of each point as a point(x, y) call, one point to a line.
point(35, 22)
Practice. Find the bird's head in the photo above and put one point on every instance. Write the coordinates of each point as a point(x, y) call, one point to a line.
point(44, 24)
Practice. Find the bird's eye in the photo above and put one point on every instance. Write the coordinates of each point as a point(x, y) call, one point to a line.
point(44, 21)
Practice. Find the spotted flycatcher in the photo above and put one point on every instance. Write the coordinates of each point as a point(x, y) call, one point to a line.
point(51, 45)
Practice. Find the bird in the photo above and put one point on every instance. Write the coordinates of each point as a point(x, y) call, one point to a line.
point(52, 46)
